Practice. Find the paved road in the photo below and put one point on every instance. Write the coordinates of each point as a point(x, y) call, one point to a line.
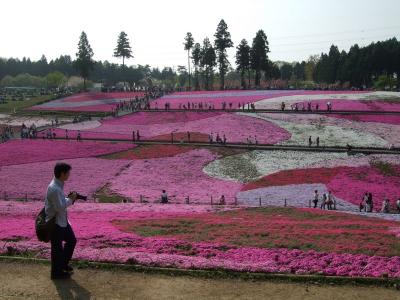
point(31, 281)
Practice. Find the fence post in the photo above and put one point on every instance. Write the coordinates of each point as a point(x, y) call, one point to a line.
point(260, 201)
point(285, 202)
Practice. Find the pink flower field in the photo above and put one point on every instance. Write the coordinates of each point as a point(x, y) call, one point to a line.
point(237, 128)
point(236, 97)
point(253, 231)
point(88, 102)
point(181, 175)
point(28, 151)
point(255, 240)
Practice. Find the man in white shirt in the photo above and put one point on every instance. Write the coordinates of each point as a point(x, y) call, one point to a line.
point(56, 207)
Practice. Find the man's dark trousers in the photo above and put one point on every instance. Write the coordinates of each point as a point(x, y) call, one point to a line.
point(61, 255)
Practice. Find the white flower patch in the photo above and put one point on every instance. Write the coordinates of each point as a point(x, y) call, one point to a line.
point(273, 103)
point(253, 165)
point(389, 132)
point(297, 195)
point(82, 125)
point(328, 135)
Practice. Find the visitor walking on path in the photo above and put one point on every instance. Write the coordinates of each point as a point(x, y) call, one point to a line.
point(323, 201)
point(398, 205)
point(385, 206)
point(371, 202)
point(316, 197)
point(309, 141)
point(137, 135)
point(56, 205)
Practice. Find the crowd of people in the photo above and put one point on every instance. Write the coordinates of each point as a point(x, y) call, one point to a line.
point(367, 204)
point(6, 133)
point(217, 139)
point(207, 106)
point(30, 132)
point(139, 103)
point(387, 208)
point(306, 107)
point(327, 200)
point(310, 141)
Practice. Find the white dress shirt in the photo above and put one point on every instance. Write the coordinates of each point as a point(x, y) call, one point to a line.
point(56, 203)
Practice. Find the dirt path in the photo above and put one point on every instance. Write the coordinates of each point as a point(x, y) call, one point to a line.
point(31, 281)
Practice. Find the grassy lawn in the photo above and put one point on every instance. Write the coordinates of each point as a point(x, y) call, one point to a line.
point(19, 106)
point(291, 228)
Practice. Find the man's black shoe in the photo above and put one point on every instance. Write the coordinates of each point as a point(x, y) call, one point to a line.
point(63, 275)
point(69, 269)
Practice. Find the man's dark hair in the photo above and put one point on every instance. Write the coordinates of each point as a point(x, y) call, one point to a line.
point(61, 168)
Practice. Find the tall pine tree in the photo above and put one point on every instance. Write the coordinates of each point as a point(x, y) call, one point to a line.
point(123, 48)
point(84, 62)
point(222, 42)
point(208, 62)
point(243, 61)
point(259, 54)
point(189, 43)
point(196, 57)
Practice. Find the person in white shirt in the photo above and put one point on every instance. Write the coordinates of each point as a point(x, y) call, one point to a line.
point(56, 207)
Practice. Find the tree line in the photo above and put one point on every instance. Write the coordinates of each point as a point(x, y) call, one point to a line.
point(207, 56)
point(375, 64)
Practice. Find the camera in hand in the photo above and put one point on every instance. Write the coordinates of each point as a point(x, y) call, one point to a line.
point(78, 196)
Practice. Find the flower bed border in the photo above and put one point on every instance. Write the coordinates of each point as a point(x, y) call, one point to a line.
point(220, 273)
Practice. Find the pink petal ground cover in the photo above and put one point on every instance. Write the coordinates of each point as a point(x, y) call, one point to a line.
point(347, 183)
point(31, 179)
point(242, 240)
point(180, 175)
point(352, 184)
point(386, 119)
point(237, 128)
point(89, 108)
point(235, 97)
point(102, 96)
point(362, 105)
point(88, 102)
point(28, 151)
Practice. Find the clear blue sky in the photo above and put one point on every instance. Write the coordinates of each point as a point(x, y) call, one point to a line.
point(156, 28)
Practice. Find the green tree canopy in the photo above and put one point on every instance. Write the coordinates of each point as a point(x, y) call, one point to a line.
point(84, 62)
point(222, 42)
